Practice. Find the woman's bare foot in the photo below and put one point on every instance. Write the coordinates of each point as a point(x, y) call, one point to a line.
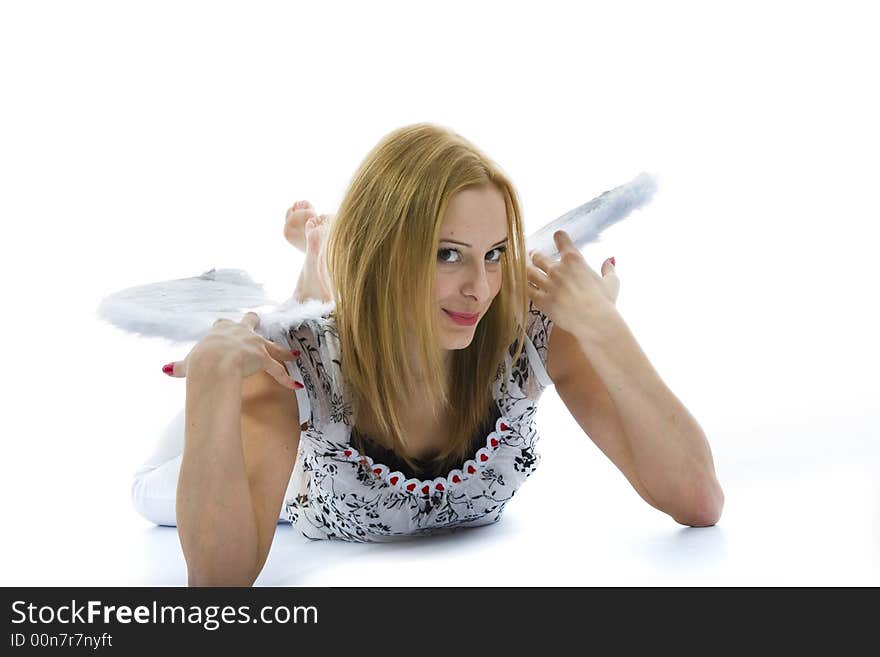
point(295, 223)
point(314, 281)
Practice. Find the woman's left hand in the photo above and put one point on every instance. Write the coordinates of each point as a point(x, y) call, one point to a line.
point(568, 290)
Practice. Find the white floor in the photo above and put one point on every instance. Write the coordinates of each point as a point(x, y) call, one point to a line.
point(802, 489)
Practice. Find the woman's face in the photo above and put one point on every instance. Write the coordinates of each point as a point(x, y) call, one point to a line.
point(472, 239)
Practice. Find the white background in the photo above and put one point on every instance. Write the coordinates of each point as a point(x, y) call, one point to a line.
point(148, 141)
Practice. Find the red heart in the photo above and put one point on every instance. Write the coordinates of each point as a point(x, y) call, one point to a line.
point(440, 487)
point(494, 443)
point(471, 469)
point(483, 457)
point(504, 427)
point(410, 487)
point(393, 480)
point(377, 470)
point(456, 479)
point(348, 452)
point(425, 490)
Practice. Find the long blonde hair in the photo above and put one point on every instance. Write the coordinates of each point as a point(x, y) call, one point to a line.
point(381, 255)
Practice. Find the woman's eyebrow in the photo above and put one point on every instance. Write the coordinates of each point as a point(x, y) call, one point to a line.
point(469, 246)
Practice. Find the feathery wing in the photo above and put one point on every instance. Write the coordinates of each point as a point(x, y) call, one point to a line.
point(586, 222)
point(184, 309)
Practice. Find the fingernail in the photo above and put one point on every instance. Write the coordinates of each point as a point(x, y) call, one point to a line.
point(295, 353)
point(168, 369)
point(612, 261)
point(298, 385)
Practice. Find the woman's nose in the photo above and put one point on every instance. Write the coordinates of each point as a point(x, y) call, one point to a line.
point(477, 283)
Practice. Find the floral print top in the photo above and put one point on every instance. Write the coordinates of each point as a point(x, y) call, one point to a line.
point(336, 492)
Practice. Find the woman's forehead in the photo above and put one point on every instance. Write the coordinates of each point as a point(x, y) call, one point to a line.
point(476, 214)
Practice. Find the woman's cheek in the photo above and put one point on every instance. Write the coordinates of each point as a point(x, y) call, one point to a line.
point(441, 284)
point(497, 284)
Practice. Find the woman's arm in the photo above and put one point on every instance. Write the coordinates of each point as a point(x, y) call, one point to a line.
point(614, 391)
point(235, 468)
point(215, 517)
point(641, 425)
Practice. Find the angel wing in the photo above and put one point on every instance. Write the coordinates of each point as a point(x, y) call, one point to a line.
point(586, 222)
point(184, 309)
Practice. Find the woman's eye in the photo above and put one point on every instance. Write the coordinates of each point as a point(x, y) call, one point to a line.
point(443, 251)
point(499, 249)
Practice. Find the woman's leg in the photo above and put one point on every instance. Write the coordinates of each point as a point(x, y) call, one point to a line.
point(307, 231)
point(154, 489)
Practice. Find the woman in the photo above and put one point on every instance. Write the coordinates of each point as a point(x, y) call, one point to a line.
point(420, 377)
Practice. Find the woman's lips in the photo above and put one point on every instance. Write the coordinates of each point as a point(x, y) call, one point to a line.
point(464, 320)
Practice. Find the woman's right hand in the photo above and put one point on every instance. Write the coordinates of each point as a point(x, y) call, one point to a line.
point(238, 344)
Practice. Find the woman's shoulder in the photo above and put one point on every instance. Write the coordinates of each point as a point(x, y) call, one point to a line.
point(538, 326)
point(292, 315)
point(310, 329)
point(529, 372)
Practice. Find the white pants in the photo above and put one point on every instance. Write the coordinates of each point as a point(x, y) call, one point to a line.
point(154, 489)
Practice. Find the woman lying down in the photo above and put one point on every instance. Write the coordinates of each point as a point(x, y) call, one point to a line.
point(395, 395)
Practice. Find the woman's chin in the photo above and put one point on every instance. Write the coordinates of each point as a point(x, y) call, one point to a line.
point(460, 341)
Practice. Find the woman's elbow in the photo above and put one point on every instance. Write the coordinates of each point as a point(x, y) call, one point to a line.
point(706, 508)
point(197, 579)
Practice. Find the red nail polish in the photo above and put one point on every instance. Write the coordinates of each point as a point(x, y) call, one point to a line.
point(295, 353)
point(612, 261)
point(168, 369)
point(298, 385)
